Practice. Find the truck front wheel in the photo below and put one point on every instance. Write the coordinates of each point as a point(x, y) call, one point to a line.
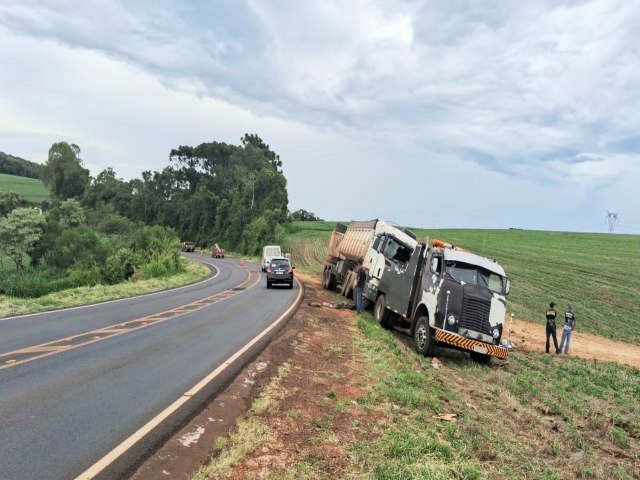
point(423, 336)
point(480, 358)
point(381, 314)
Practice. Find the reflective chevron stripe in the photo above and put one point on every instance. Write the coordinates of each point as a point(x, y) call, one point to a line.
point(471, 345)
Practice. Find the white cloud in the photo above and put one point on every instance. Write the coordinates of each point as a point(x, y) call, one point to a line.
point(381, 96)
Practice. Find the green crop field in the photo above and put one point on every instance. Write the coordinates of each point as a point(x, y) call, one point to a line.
point(595, 273)
point(30, 189)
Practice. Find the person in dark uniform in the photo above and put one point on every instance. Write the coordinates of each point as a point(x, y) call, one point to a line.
point(551, 326)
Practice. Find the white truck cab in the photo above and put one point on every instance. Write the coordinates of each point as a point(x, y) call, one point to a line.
point(268, 252)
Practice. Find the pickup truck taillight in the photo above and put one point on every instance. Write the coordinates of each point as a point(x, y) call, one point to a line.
point(290, 270)
point(269, 270)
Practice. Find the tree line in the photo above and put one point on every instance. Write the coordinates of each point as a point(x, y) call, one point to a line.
point(17, 166)
point(106, 229)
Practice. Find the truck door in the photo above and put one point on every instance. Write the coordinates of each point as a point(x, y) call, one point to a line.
point(375, 264)
point(432, 286)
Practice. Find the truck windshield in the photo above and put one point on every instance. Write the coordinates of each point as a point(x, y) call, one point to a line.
point(475, 275)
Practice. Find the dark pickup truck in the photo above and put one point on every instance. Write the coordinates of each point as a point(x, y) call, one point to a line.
point(188, 247)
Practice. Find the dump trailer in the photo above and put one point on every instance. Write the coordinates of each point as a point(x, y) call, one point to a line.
point(449, 297)
point(381, 246)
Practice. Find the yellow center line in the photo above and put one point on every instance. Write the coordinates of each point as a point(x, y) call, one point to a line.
point(29, 354)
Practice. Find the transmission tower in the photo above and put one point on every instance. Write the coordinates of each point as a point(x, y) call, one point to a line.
point(612, 221)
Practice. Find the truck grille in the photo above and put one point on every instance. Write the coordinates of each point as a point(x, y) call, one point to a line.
point(475, 315)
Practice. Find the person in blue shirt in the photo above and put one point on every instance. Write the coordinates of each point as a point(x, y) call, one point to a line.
point(569, 325)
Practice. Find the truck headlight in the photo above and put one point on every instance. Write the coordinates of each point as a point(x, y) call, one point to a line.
point(495, 333)
point(451, 319)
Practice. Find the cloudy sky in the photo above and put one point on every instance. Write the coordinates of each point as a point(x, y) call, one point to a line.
point(458, 113)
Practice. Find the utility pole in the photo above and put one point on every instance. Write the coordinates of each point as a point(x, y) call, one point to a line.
point(612, 221)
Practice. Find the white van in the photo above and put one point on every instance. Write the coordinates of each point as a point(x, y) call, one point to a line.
point(268, 252)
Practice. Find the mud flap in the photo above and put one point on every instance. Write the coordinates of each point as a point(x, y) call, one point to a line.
point(470, 345)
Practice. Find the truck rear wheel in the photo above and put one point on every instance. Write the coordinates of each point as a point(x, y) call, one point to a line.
point(325, 280)
point(347, 286)
point(331, 284)
point(381, 314)
point(423, 337)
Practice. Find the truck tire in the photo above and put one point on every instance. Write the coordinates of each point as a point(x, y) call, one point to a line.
point(480, 358)
point(423, 337)
point(347, 288)
point(381, 314)
point(332, 282)
point(325, 280)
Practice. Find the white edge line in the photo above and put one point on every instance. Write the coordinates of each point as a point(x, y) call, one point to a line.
point(114, 454)
point(208, 279)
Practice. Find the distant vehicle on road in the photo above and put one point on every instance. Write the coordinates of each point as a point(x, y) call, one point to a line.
point(188, 247)
point(269, 252)
point(280, 270)
point(217, 252)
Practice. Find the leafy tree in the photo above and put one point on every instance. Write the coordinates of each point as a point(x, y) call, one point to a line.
point(304, 216)
point(64, 172)
point(19, 232)
point(79, 247)
point(8, 202)
point(70, 214)
point(106, 189)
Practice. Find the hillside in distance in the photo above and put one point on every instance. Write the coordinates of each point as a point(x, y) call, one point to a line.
point(595, 273)
point(31, 189)
point(20, 167)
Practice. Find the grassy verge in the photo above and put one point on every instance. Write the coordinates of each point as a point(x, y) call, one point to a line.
point(250, 432)
point(536, 416)
point(81, 296)
point(533, 417)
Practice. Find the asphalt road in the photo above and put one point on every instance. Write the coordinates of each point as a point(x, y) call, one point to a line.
point(75, 383)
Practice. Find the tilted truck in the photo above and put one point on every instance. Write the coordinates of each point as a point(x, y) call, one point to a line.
point(379, 244)
point(446, 296)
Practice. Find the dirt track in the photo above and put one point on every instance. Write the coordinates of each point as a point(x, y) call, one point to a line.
point(530, 337)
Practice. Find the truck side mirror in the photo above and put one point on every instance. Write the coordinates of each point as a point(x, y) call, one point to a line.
point(507, 287)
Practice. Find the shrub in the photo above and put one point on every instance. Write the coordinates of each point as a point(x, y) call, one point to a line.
point(31, 283)
point(153, 269)
point(86, 277)
point(118, 267)
point(81, 247)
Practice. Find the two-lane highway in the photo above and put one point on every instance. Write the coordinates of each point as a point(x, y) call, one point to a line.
point(76, 383)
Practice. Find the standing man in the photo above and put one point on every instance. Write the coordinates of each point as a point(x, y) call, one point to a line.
point(361, 276)
point(551, 326)
point(569, 324)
